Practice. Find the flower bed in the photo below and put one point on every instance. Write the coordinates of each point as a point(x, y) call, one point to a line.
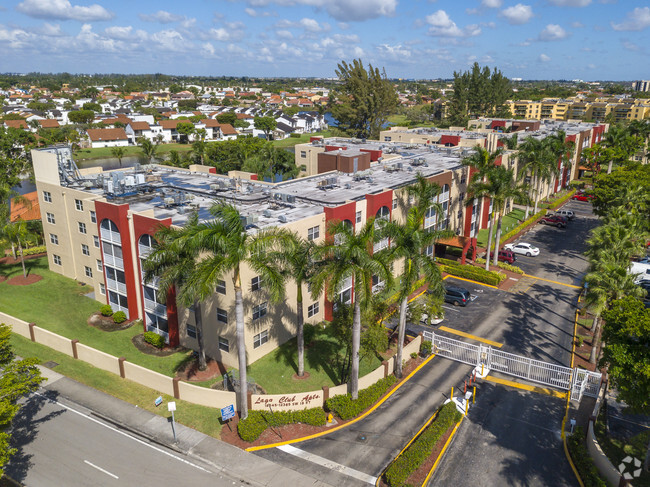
point(255, 424)
point(347, 408)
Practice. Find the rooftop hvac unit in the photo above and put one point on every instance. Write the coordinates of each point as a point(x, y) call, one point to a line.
point(266, 213)
point(214, 187)
point(139, 179)
point(169, 201)
point(348, 186)
point(399, 165)
point(282, 218)
point(88, 184)
point(291, 198)
point(369, 180)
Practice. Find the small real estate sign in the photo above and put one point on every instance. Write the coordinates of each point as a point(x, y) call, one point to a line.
point(228, 412)
point(288, 402)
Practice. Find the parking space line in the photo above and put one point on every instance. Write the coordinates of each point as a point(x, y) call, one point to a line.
point(526, 387)
point(554, 282)
point(473, 337)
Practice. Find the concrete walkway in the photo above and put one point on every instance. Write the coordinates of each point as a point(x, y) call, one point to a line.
point(242, 467)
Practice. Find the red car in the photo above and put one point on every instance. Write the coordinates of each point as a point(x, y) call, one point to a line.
point(583, 197)
point(507, 256)
point(556, 220)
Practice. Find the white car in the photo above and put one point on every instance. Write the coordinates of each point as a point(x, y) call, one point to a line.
point(522, 248)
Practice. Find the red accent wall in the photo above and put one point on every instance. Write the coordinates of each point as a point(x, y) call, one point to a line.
point(499, 160)
point(486, 213)
point(145, 225)
point(498, 123)
point(374, 154)
point(450, 139)
point(468, 221)
point(334, 147)
point(376, 201)
point(118, 215)
point(213, 170)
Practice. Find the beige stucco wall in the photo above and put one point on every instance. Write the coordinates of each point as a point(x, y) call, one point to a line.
point(17, 326)
point(205, 397)
point(53, 340)
point(99, 359)
point(152, 379)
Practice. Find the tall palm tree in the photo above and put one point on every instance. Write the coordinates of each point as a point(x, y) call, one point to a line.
point(227, 247)
point(148, 148)
point(408, 243)
point(623, 144)
point(16, 233)
point(535, 159)
point(562, 151)
point(348, 255)
point(615, 242)
point(174, 264)
point(118, 152)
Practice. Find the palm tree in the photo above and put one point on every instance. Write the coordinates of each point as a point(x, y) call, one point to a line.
point(16, 233)
point(148, 148)
point(561, 149)
point(615, 242)
point(228, 247)
point(118, 152)
point(174, 263)
point(622, 144)
point(348, 255)
point(535, 159)
point(408, 242)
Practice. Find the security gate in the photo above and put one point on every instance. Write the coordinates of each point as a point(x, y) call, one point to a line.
point(579, 381)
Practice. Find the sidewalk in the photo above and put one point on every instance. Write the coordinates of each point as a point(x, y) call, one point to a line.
point(230, 461)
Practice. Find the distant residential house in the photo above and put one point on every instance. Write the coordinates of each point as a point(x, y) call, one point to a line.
point(107, 137)
point(135, 130)
point(16, 124)
point(282, 131)
point(26, 211)
point(216, 130)
point(169, 132)
point(49, 123)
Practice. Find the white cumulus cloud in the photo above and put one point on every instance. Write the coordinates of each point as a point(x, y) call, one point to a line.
point(162, 16)
point(637, 19)
point(571, 3)
point(544, 58)
point(492, 3)
point(442, 26)
point(517, 14)
point(63, 10)
point(116, 32)
point(553, 32)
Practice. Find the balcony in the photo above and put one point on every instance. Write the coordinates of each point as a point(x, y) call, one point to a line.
point(382, 244)
point(154, 283)
point(155, 308)
point(144, 251)
point(109, 236)
point(116, 286)
point(113, 261)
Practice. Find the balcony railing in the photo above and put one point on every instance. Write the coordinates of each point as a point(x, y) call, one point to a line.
point(109, 236)
point(113, 261)
point(156, 308)
point(144, 251)
point(115, 286)
point(382, 244)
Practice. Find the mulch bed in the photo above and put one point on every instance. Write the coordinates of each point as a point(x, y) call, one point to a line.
point(9, 260)
point(191, 372)
point(149, 349)
point(20, 280)
point(294, 431)
point(106, 323)
point(581, 355)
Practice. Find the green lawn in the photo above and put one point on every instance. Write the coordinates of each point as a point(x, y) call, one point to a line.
point(131, 150)
point(275, 371)
point(304, 138)
point(510, 221)
point(201, 418)
point(58, 304)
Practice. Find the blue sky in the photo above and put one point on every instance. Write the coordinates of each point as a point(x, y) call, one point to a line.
point(543, 39)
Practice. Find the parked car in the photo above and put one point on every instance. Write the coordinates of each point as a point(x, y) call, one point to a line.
point(523, 248)
point(583, 197)
point(640, 271)
point(507, 256)
point(458, 296)
point(566, 213)
point(555, 220)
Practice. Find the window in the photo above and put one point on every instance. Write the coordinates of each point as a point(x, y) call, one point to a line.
point(84, 249)
point(93, 216)
point(50, 218)
point(47, 196)
point(221, 287)
point(96, 240)
point(222, 315)
point(54, 239)
point(387, 139)
point(191, 331)
point(312, 310)
point(82, 227)
point(56, 259)
point(79, 205)
point(260, 339)
point(102, 288)
point(256, 283)
point(358, 217)
point(89, 271)
point(224, 346)
point(99, 265)
point(259, 311)
point(395, 204)
point(313, 233)
point(303, 154)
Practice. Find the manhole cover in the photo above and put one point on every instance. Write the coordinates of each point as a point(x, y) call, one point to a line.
point(50, 364)
point(362, 437)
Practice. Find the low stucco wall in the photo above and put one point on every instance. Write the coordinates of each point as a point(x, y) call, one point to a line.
point(17, 326)
point(52, 340)
point(149, 378)
point(211, 398)
point(601, 461)
point(98, 359)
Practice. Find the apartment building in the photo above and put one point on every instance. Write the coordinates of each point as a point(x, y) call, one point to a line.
point(596, 109)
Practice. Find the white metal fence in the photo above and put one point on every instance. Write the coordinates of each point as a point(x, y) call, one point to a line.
point(579, 381)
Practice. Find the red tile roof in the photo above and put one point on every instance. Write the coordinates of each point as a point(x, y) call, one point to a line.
point(49, 124)
point(16, 124)
point(140, 125)
point(97, 135)
point(24, 212)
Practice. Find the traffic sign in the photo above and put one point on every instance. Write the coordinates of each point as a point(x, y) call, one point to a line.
point(228, 412)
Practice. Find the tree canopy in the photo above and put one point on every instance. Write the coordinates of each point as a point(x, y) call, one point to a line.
point(266, 125)
point(81, 116)
point(363, 101)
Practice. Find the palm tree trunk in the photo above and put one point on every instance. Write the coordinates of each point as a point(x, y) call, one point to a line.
point(198, 320)
point(593, 356)
point(241, 347)
point(300, 337)
point(498, 237)
point(609, 166)
point(22, 258)
point(353, 383)
point(537, 190)
point(400, 337)
point(489, 245)
point(13, 251)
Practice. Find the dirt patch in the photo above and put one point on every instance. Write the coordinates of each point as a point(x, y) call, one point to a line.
point(106, 323)
point(583, 350)
point(9, 260)
point(191, 372)
point(3, 278)
point(305, 375)
point(20, 280)
point(149, 349)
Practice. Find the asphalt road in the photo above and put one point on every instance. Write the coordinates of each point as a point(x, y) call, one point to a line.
point(60, 444)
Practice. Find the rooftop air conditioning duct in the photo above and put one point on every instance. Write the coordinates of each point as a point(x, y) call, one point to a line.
point(282, 219)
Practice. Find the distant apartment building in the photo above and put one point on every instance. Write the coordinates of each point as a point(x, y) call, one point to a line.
point(595, 110)
point(643, 85)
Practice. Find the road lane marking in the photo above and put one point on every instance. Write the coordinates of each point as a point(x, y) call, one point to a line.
point(451, 309)
point(473, 337)
point(554, 282)
point(324, 462)
point(526, 387)
point(90, 418)
point(101, 469)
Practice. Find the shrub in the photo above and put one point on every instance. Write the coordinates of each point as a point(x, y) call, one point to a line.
point(474, 274)
point(411, 459)
point(425, 348)
point(560, 201)
point(582, 460)
point(502, 265)
point(253, 426)
point(154, 339)
point(442, 261)
point(106, 310)
point(119, 317)
point(35, 250)
point(346, 408)
point(414, 355)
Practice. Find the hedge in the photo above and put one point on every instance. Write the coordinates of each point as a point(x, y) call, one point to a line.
point(440, 260)
point(523, 225)
point(106, 310)
point(154, 339)
point(35, 250)
point(557, 203)
point(255, 424)
point(416, 454)
point(582, 460)
point(503, 265)
point(474, 273)
point(119, 317)
point(347, 408)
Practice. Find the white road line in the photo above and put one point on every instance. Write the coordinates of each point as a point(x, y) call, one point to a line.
point(324, 462)
point(101, 469)
point(451, 309)
point(90, 418)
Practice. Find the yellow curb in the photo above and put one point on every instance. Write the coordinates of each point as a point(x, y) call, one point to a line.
point(526, 387)
point(442, 452)
point(358, 418)
point(473, 337)
point(554, 282)
point(469, 280)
